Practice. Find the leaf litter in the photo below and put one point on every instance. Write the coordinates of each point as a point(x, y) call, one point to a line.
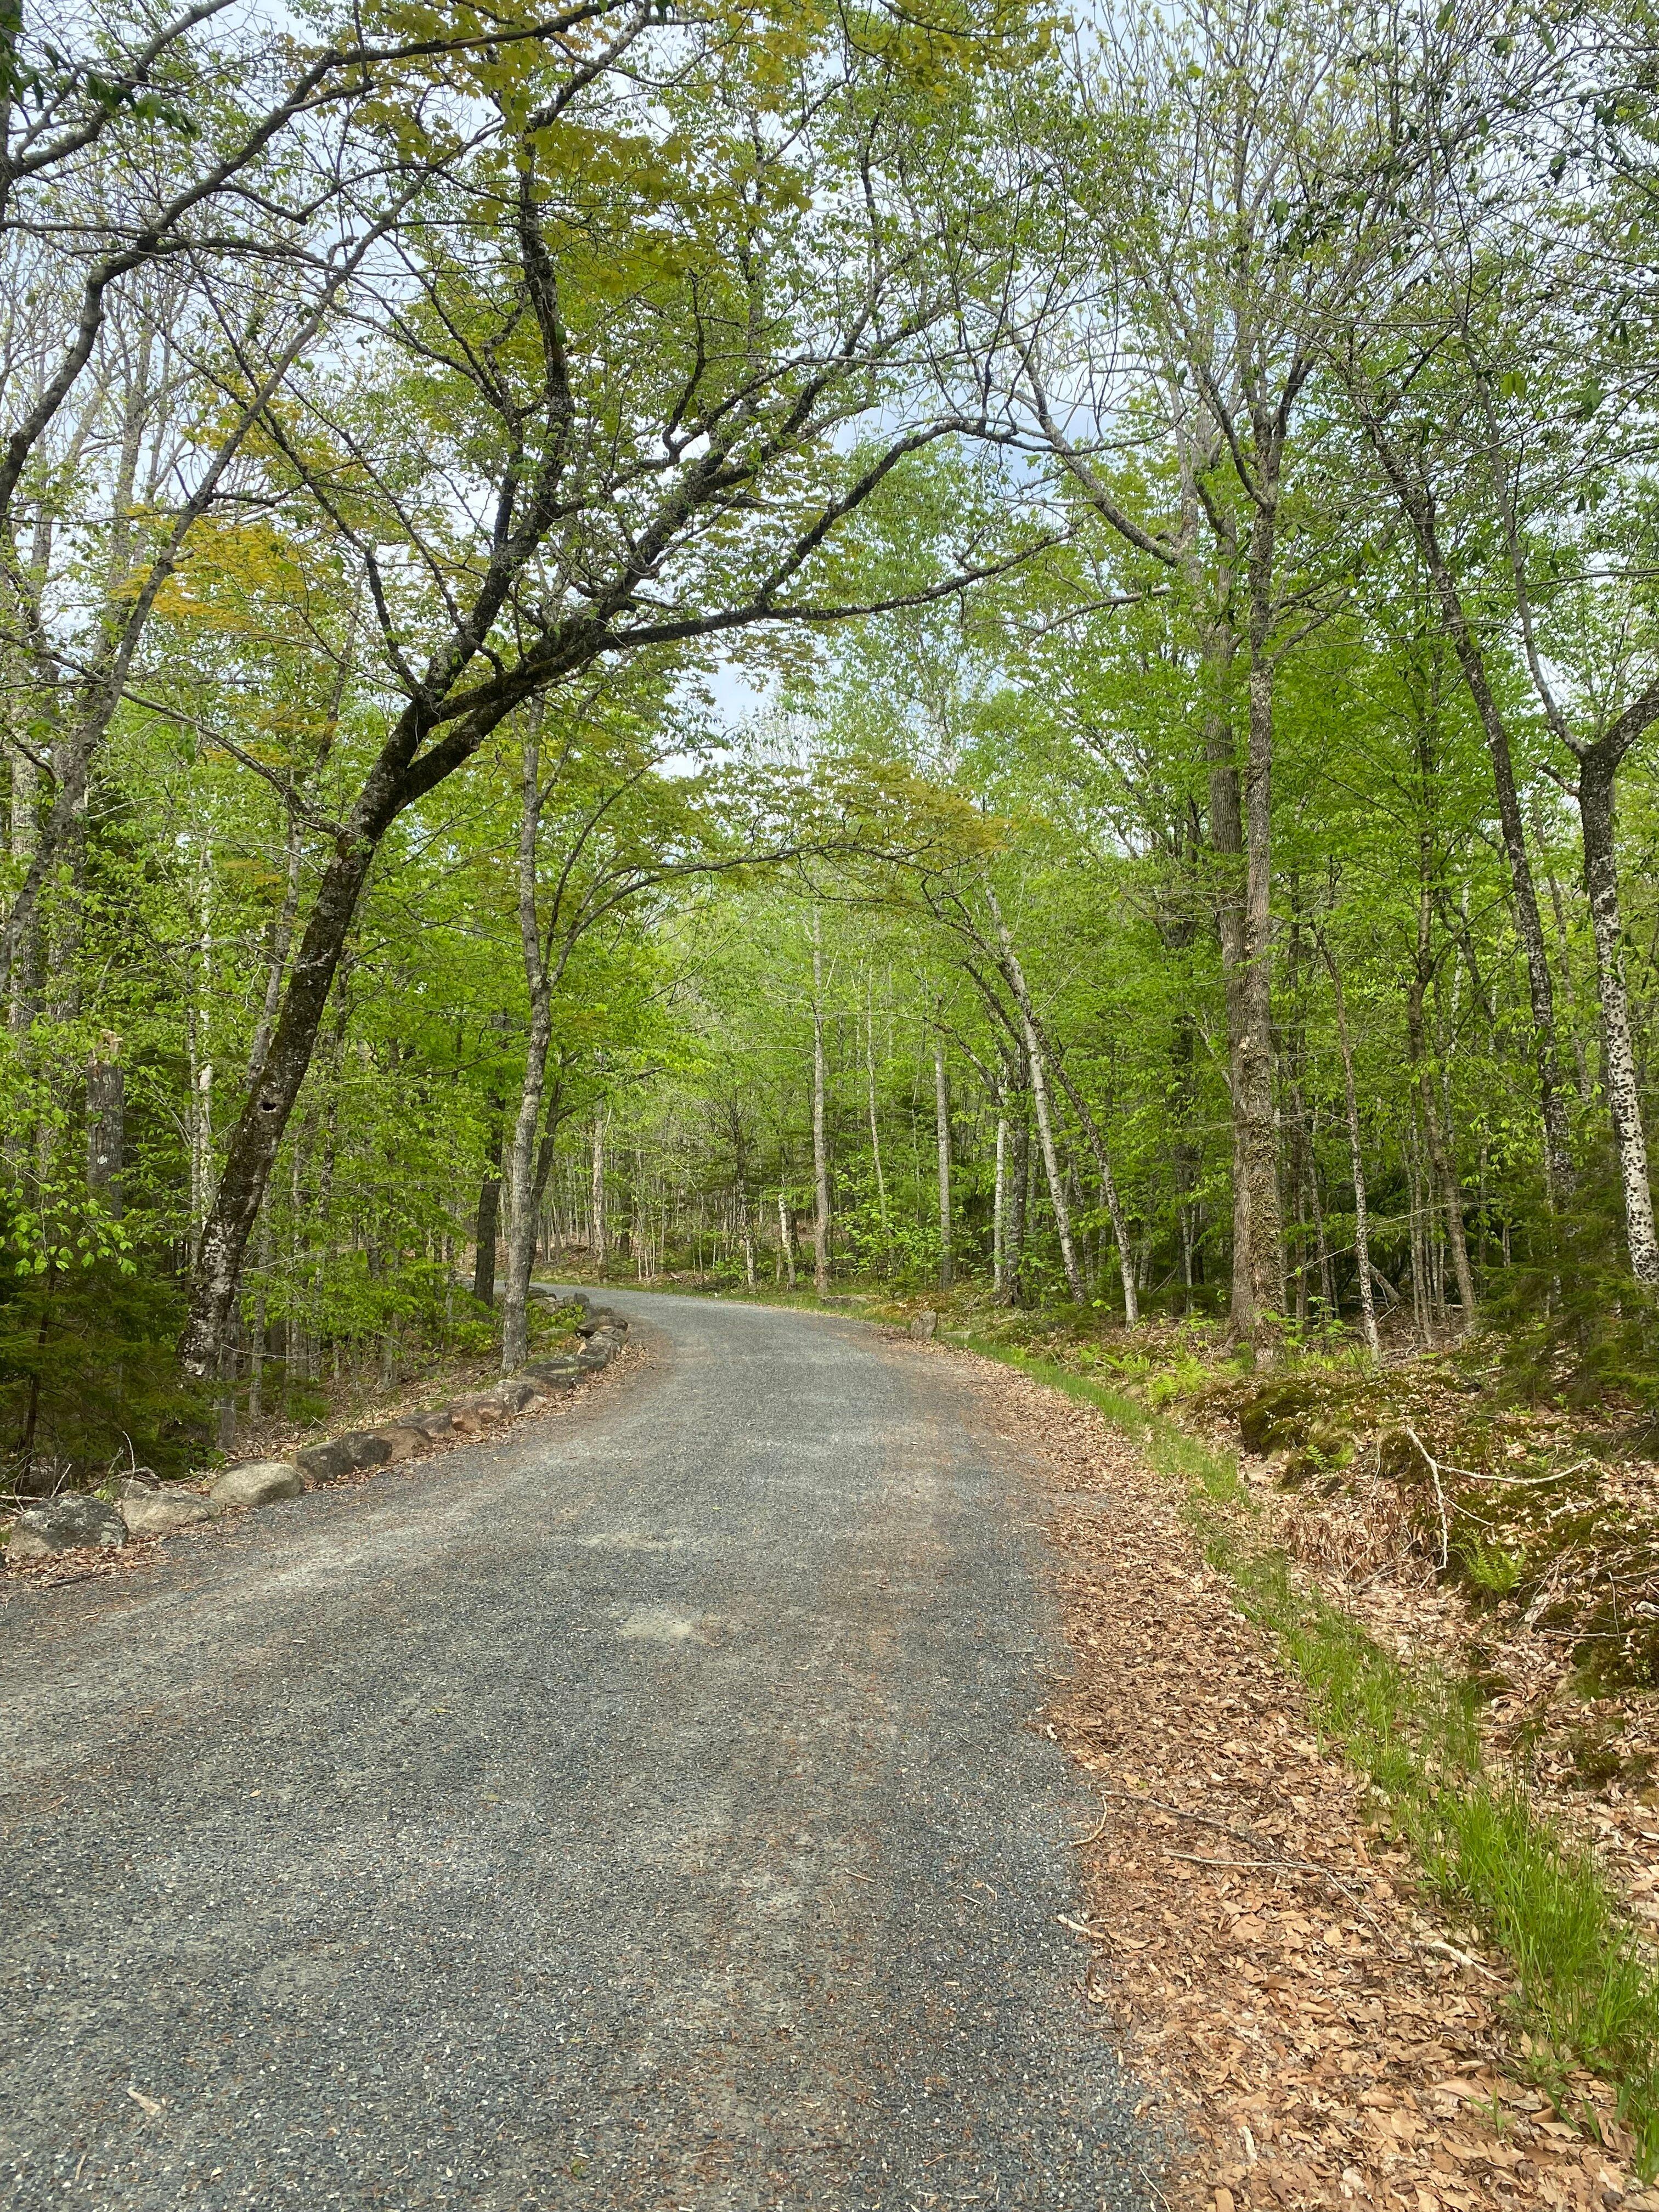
point(1317, 2034)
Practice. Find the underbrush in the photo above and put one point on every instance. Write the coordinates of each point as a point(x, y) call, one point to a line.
point(91, 1436)
point(1588, 1993)
point(1538, 1509)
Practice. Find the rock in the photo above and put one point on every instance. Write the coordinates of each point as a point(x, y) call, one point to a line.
point(549, 1376)
point(260, 1482)
point(68, 1523)
point(370, 1448)
point(142, 1482)
point(497, 1404)
point(436, 1421)
point(924, 1323)
point(159, 1512)
point(598, 1318)
point(593, 1357)
point(360, 1448)
point(320, 1463)
point(514, 1393)
point(405, 1439)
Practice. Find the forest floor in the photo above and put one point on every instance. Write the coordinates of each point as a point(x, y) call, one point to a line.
point(1511, 1547)
point(1324, 2030)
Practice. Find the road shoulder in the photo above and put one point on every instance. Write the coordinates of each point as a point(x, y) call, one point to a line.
point(1256, 1950)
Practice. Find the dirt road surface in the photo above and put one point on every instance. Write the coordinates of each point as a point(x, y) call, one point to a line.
point(643, 1810)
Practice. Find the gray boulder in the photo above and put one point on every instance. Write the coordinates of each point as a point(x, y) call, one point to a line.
point(68, 1523)
point(513, 1394)
point(260, 1482)
point(369, 1447)
point(320, 1463)
point(549, 1376)
point(436, 1421)
point(598, 1318)
point(160, 1512)
point(360, 1448)
point(924, 1323)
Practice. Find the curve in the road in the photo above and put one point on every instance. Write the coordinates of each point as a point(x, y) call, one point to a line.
point(642, 1811)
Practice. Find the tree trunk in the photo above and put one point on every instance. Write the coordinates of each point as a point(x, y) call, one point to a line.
point(740, 1207)
point(875, 1130)
point(1186, 1158)
point(521, 1164)
point(1108, 1192)
point(1322, 1244)
point(1051, 1165)
point(24, 837)
point(941, 1127)
point(820, 1154)
point(488, 1229)
point(599, 1249)
point(107, 1125)
point(1016, 976)
point(1037, 1046)
point(1412, 491)
point(1596, 773)
point(786, 1237)
point(1219, 648)
point(259, 1339)
point(282, 937)
point(523, 1180)
point(256, 1136)
point(1252, 1053)
point(1024, 1192)
point(1575, 1031)
point(999, 1215)
point(1357, 1159)
point(746, 1229)
point(1442, 1176)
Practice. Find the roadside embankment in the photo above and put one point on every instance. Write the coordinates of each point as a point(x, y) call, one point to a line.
point(76, 1532)
point(1365, 1964)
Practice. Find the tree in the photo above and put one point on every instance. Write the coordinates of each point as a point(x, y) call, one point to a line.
point(623, 366)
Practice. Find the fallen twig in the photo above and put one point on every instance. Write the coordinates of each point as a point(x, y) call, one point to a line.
point(1433, 1465)
point(1463, 1959)
point(1286, 1866)
point(1244, 1836)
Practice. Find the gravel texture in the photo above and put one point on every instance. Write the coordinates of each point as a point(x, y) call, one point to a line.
point(641, 1811)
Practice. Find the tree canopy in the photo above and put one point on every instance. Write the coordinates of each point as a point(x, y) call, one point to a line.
point(939, 645)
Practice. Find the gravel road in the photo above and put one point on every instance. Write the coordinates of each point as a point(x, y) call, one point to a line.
point(640, 1811)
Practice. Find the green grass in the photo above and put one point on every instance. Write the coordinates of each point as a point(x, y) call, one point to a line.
point(1588, 1995)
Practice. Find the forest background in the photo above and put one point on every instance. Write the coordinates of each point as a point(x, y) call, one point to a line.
point(959, 650)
